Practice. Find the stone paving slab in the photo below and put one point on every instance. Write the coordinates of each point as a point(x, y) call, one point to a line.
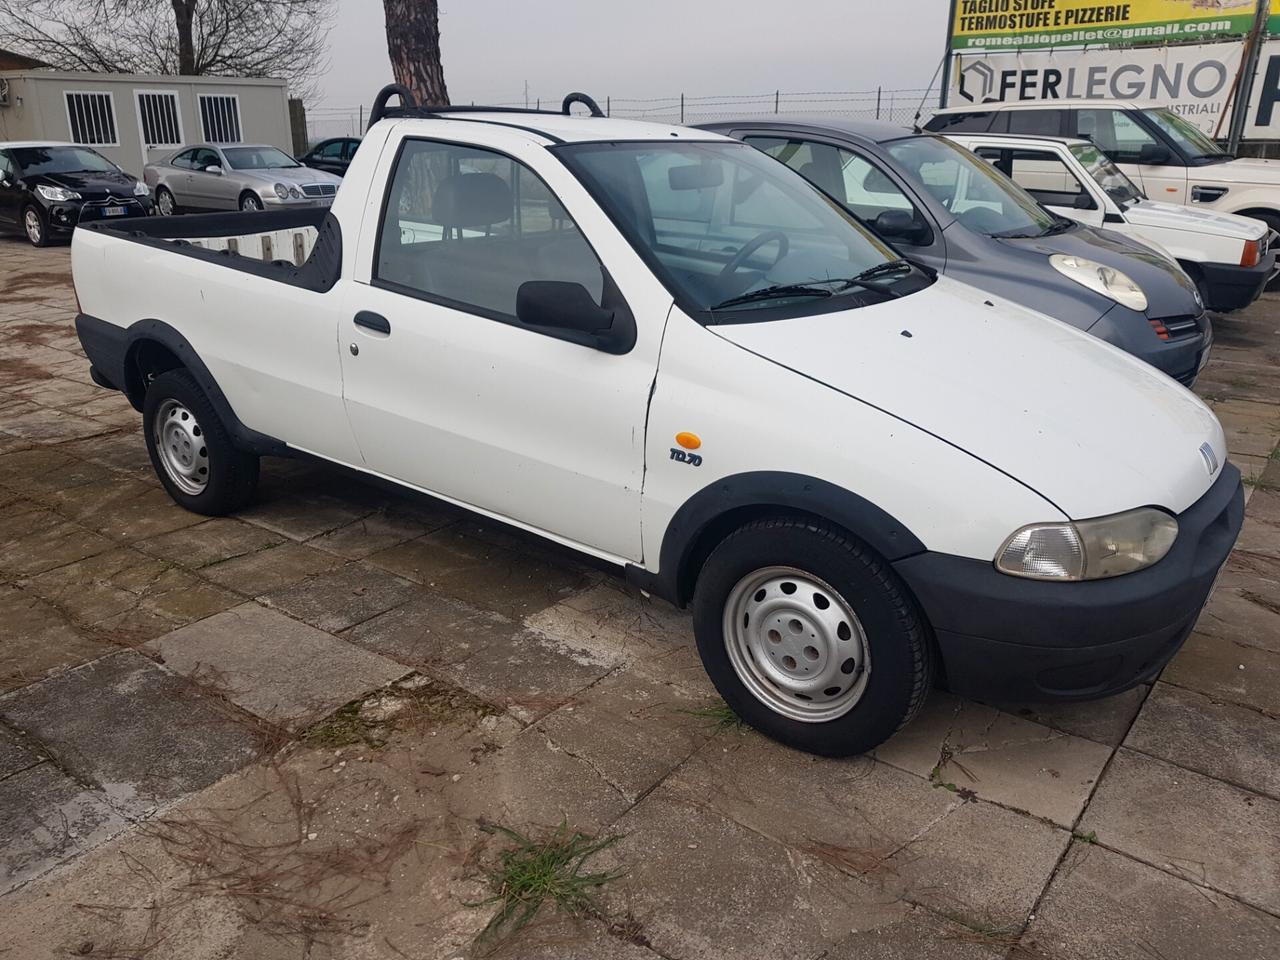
point(276, 668)
point(1227, 670)
point(1220, 740)
point(1102, 906)
point(1209, 832)
point(999, 757)
point(39, 640)
point(344, 597)
point(45, 818)
point(1243, 615)
point(274, 568)
point(15, 756)
point(209, 542)
point(47, 541)
point(920, 935)
point(137, 731)
point(385, 528)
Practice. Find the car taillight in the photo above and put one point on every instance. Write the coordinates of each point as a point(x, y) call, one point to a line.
point(1160, 329)
point(1251, 252)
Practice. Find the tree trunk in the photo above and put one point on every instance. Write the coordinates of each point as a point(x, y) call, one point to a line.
point(413, 43)
point(183, 13)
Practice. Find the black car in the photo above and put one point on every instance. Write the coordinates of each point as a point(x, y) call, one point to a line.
point(48, 188)
point(333, 155)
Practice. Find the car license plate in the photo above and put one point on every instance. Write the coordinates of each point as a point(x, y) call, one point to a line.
point(113, 211)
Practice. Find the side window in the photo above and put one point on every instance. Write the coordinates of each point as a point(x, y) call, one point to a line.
point(8, 170)
point(1114, 133)
point(468, 226)
point(206, 158)
point(1038, 122)
point(332, 150)
point(349, 149)
point(186, 159)
point(1047, 178)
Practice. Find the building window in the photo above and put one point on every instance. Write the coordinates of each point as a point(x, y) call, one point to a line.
point(220, 118)
point(158, 118)
point(91, 116)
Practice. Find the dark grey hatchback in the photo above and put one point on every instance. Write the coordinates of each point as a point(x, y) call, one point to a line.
point(947, 209)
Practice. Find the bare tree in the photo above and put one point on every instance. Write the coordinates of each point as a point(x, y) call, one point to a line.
point(245, 38)
point(413, 43)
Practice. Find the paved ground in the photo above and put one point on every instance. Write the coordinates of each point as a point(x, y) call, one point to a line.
point(290, 733)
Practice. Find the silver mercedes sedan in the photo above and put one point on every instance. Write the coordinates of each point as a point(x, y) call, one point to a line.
point(238, 176)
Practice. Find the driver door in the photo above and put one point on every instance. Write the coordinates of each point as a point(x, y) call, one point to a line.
point(860, 185)
point(10, 192)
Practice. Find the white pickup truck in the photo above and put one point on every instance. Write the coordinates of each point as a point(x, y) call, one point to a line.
point(1228, 256)
point(665, 349)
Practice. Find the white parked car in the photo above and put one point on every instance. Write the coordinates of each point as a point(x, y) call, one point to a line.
point(663, 348)
point(1168, 156)
point(1228, 256)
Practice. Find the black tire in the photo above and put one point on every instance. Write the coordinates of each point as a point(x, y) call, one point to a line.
point(232, 474)
point(165, 192)
point(900, 651)
point(43, 239)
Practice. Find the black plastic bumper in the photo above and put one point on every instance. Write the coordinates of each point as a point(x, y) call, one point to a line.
point(64, 216)
point(1231, 287)
point(1010, 638)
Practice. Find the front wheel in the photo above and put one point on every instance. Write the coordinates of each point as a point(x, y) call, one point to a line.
point(191, 449)
point(165, 203)
point(810, 636)
point(35, 226)
point(250, 203)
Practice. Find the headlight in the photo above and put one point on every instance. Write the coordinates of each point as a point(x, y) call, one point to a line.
point(295, 193)
point(56, 194)
point(1102, 279)
point(1089, 549)
point(140, 189)
point(282, 191)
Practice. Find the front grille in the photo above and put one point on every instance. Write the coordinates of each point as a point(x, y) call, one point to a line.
point(1180, 328)
point(319, 190)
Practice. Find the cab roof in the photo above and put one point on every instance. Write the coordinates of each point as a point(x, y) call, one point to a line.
point(573, 128)
point(22, 144)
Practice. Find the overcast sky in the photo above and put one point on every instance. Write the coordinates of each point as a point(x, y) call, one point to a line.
point(650, 48)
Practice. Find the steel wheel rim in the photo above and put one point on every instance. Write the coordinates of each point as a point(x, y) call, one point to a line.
point(801, 659)
point(165, 202)
point(32, 222)
point(180, 443)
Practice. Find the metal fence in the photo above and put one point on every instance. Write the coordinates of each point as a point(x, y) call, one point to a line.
point(894, 105)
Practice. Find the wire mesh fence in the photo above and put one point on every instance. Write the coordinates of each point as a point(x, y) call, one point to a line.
point(893, 105)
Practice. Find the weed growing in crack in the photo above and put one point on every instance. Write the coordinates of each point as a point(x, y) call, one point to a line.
point(719, 717)
point(534, 872)
point(414, 702)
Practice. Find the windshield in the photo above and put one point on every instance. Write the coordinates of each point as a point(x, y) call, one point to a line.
point(978, 195)
point(257, 158)
point(34, 161)
point(1194, 143)
point(727, 227)
point(1106, 174)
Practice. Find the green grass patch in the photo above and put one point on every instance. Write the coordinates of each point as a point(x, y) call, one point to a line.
point(719, 717)
point(547, 870)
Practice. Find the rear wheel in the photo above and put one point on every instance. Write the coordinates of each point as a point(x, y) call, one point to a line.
point(191, 449)
point(35, 226)
point(810, 637)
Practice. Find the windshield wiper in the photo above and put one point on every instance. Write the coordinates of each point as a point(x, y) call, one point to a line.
point(883, 270)
point(1060, 225)
point(775, 292)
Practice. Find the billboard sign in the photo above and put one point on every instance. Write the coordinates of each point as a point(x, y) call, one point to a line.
point(1195, 80)
point(1031, 24)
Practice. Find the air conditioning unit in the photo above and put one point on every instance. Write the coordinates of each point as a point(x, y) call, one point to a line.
point(4, 92)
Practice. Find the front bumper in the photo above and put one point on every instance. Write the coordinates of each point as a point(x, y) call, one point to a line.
point(1232, 287)
point(1182, 357)
point(272, 202)
point(1009, 638)
point(65, 216)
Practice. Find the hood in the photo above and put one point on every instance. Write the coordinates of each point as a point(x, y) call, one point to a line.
point(1088, 427)
point(1169, 291)
point(289, 176)
point(1239, 170)
point(92, 185)
point(1171, 216)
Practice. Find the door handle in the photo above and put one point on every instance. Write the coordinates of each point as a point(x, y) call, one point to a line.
point(373, 321)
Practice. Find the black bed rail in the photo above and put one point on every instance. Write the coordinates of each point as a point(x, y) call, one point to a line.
point(408, 106)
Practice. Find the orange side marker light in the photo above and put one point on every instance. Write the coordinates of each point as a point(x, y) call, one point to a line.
point(690, 441)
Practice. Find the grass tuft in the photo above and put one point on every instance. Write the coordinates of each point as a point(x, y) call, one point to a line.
point(719, 717)
point(533, 872)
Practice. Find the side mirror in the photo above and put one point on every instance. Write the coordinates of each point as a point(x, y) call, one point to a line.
point(1083, 202)
point(213, 168)
point(1154, 154)
point(565, 307)
point(899, 225)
